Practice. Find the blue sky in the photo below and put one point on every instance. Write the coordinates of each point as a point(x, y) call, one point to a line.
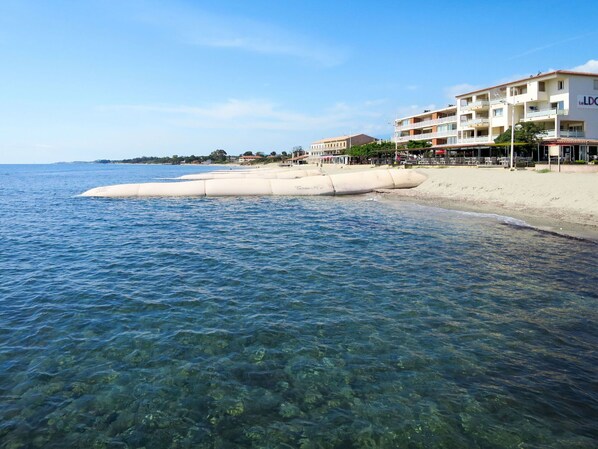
point(95, 79)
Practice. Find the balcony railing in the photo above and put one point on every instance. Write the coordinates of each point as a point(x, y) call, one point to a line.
point(482, 121)
point(502, 100)
point(552, 133)
point(546, 113)
point(426, 123)
point(427, 136)
point(478, 104)
point(483, 139)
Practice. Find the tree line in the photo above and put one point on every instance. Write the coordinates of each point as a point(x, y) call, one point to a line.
point(219, 156)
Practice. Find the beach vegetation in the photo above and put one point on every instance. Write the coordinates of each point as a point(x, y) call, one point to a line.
point(544, 170)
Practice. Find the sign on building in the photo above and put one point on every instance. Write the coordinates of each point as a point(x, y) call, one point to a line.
point(587, 101)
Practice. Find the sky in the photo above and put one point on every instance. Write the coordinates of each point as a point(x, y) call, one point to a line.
point(101, 79)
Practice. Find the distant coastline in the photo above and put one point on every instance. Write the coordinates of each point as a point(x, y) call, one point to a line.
point(169, 160)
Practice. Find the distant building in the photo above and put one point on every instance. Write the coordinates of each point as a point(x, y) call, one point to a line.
point(563, 103)
point(334, 149)
point(247, 159)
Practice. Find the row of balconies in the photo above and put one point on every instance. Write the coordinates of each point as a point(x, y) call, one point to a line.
point(479, 122)
point(549, 133)
point(427, 123)
point(485, 104)
point(428, 136)
point(482, 139)
point(530, 114)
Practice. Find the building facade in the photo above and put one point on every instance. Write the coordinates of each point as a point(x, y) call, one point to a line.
point(334, 149)
point(563, 103)
point(438, 127)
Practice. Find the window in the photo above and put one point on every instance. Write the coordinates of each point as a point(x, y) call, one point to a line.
point(541, 86)
point(559, 105)
point(560, 85)
point(497, 112)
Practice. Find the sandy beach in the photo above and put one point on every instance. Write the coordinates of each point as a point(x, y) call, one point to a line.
point(561, 202)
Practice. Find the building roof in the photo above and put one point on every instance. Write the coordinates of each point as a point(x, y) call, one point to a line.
point(430, 112)
point(552, 74)
point(339, 138)
point(251, 157)
point(569, 141)
point(298, 158)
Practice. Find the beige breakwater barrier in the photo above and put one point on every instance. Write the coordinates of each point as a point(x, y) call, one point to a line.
point(335, 184)
point(256, 173)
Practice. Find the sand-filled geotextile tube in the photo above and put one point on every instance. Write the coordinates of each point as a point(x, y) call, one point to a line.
point(265, 174)
point(336, 184)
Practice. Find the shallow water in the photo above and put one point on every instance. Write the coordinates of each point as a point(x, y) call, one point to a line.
point(285, 322)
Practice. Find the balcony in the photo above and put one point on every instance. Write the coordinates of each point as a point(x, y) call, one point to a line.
point(482, 139)
point(426, 123)
point(427, 136)
point(481, 122)
point(551, 133)
point(546, 113)
point(479, 105)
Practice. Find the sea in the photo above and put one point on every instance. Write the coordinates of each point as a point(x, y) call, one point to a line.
point(285, 322)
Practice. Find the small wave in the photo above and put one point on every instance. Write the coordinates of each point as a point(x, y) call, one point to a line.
point(505, 219)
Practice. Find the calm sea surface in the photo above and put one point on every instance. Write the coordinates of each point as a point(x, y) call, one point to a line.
point(285, 322)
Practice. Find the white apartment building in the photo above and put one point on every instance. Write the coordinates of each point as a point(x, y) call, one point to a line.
point(563, 103)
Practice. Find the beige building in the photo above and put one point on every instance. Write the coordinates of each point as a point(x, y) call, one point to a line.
point(334, 149)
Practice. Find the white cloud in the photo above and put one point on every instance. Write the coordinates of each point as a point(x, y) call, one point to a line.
point(258, 114)
point(589, 67)
point(198, 27)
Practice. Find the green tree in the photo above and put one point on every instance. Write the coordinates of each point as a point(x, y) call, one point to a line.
point(248, 153)
point(527, 136)
point(415, 144)
point(218, 155)
point(372, 150)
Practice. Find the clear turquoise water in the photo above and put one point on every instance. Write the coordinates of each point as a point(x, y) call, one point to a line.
point(285, 322)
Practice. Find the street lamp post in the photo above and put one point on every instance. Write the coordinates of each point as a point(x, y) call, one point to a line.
point(512, 133)
point(514, 91)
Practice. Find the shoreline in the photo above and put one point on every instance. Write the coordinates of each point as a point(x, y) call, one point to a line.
point(561, 203)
